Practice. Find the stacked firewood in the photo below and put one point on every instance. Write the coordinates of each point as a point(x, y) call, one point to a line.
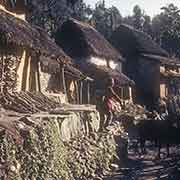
point(8, 73)
point(27, 102)
point(133, 110)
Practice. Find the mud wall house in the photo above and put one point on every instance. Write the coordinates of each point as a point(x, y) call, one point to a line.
point(143, 59)
point(170, 78)
point(93, 55)
point(31, 63)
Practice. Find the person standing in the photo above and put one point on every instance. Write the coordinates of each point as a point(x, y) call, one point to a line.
point(108, 103)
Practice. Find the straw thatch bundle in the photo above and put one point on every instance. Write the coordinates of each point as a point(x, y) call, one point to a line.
point(132, 42)
point(79, 39)
point(173, 62)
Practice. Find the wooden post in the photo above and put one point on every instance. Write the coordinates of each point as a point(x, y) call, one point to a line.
point(122, 93)
point(77, 92)
point(29, 69)
point(88, 93)
point(38, 77)
point(81, 92)
point(64, 81)
point(2, 74)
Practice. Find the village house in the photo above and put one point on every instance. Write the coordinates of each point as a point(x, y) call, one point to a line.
point(146, 63)
point(94, 56)
point(35, 73)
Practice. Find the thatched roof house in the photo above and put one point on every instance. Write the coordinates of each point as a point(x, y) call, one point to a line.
point(16, 32)
point(80, 40)
point(143, 58)
point(132, 42)
point(92, 53)
point(30, 60)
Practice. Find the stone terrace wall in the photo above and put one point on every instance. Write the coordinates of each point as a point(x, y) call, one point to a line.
point(71, 124)
point(39, 147)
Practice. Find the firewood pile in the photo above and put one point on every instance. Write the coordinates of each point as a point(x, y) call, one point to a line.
point(27, 102)
point(133, 110)
point(8, 65)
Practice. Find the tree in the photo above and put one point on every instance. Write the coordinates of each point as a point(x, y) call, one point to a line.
point(106, 19)
point(50, 14)
point(166, 29)
point(147, 26)
point(139, 20)
point(82, 11)
point(138, 17)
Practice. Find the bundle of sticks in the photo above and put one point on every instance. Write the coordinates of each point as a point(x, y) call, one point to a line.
point(27, 102)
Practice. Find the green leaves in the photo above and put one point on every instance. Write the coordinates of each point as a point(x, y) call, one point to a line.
point(166, 29)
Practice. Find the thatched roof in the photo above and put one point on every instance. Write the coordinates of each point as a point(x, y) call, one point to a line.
point(170, 74)
point(16, 32)
point(101, 73)
point(80, 40)
point(134, 42)
point(163, 60)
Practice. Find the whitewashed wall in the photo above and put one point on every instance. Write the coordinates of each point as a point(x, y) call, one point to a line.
point(103, 62)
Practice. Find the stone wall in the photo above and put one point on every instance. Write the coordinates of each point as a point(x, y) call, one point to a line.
point(71, 124)
point(54, 146)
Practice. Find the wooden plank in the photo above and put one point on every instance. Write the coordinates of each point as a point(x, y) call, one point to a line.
point(73, 108)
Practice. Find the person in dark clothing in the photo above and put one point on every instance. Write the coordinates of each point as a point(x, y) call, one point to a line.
point(108, 105)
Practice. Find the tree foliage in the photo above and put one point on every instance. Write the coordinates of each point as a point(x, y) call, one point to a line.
point(49, 14)
point(105, 19)
point(164, 28)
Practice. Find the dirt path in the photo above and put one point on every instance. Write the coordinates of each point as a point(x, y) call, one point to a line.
point(148, 167)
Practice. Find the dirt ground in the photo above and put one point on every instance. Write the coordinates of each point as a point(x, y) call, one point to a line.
point(149, 167)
